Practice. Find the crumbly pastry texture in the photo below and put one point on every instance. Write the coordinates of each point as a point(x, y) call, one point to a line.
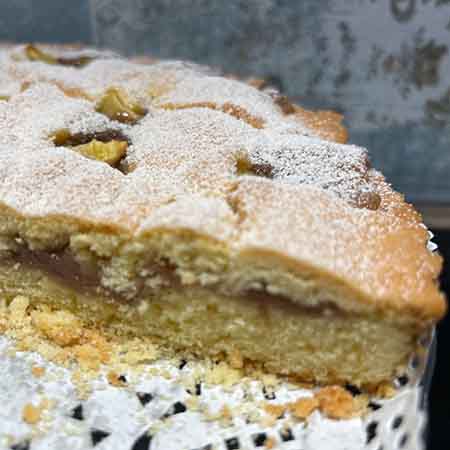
point(163, 199)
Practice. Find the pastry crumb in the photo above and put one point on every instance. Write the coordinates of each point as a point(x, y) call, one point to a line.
point(226, 412)
point(267, 421)
point(224, 415)
point(336, 402)
point(61, 327)
point(115, 380)
point(274, 410)
point(38, 371)
point(386, 390)
point(269, 380)
point(235, 359)
point(18, 308)
point(31, 414)
point(303, 407)
point(223, 374)
point(63, 338)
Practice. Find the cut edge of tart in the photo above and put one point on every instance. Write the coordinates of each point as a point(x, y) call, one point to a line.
point(164, 200)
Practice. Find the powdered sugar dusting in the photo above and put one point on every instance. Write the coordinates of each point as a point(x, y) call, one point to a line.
point(197, 147)
point(181, 171)
point(30, 118)
point(8, 84)
point(183, 213)
point(93, 79)
point(220, 91)
point(300, 160)
point(49, 181)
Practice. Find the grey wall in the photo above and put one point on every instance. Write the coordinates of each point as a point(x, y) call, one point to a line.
point(45, 20)
point(384, 63)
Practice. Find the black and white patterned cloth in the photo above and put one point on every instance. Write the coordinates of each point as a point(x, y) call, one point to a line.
point(153, 413)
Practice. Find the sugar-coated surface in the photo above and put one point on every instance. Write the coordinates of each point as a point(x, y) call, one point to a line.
point(181, 172)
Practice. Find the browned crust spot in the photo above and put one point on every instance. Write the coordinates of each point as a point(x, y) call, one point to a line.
point(246, 167)
point(283, 102)
point(228, 108)
point(72, 92)
point(326, 124)
point(369, 200)
point(34, 53)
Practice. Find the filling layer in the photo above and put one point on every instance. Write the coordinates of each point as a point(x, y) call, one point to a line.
point(279, 336)
point(62, 266)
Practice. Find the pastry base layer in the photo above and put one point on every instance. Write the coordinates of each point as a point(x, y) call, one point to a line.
point(320, 346)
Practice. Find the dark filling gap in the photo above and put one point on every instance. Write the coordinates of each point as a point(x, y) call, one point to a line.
point(59, 264)
point(63, 266)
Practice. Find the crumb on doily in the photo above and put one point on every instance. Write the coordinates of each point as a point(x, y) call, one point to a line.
point(224, 416)
point(115, 379)
point(274, 410)
point(235, 359)
point(223, 374)
point(61, 337)
point(37, 371)
point(267, 421)
point(337, 403)
point(303, 407)
point(386, 390)
point(334, 402)
point(31, 414)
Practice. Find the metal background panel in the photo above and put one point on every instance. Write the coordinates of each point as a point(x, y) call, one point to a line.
point(384, 63)
point(45, 21)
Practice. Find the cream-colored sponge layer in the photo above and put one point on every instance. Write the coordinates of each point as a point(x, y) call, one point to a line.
point(276, 335)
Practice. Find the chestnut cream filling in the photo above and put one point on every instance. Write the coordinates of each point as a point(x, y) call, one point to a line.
point(62, 266)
